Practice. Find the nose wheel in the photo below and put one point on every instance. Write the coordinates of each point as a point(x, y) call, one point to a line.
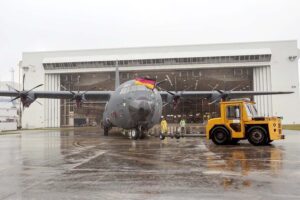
point(138, 133)
point(134, 134)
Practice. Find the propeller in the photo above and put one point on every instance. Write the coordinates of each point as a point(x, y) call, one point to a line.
point(78, 97)
point(221, 94)
point(176, 97)
point(25, 96)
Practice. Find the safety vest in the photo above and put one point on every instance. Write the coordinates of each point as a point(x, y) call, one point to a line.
point(164, 126)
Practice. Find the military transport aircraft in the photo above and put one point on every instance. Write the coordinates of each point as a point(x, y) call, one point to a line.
point(135, 105)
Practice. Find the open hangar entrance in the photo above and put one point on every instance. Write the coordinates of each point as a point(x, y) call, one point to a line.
point(194, 109)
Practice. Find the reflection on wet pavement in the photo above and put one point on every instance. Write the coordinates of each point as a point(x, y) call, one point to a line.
point(83, 164)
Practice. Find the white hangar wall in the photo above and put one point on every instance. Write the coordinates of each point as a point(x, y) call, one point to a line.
point(280, 73)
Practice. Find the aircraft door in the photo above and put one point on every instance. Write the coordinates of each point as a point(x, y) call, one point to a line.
point(234, 121)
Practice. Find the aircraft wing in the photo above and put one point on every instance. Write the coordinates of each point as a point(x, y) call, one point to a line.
point(218, 94)
point(237, 94)
point(8, 93)
point(232, 93)
point(89, 95)
point(94, 95)
point(204, 94)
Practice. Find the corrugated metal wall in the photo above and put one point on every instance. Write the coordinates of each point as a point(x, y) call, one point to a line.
point(52, 106)
point(262, 82)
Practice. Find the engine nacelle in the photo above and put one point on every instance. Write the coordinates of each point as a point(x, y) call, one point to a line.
point(79, 99)
point(173, 100)
point(27, 99)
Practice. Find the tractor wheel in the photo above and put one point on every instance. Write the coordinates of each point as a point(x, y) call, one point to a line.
point(257, 136)
point(220, 136)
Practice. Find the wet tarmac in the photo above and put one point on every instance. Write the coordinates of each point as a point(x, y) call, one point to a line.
point(83, 164)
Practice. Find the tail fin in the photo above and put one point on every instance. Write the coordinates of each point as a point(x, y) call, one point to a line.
point(117, 77)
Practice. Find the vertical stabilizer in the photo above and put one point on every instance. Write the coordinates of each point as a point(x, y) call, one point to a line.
point(117, 80)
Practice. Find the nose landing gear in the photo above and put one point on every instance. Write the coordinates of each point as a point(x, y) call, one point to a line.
point(138, 133)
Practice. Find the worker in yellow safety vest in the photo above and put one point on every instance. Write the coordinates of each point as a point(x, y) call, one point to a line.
point(163, 128)
point(182, 127)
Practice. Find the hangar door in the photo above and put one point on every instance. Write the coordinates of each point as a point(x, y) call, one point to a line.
point(52, 106)
point(262, 82)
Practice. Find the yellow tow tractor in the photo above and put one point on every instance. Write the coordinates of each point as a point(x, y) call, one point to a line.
point(239, 120)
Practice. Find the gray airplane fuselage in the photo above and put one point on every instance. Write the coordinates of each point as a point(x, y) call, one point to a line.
point(132, 106)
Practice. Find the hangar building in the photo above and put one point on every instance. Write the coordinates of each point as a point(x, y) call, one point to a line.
point(257, 66)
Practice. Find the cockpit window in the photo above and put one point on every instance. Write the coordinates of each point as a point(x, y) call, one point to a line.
point(133, 89)
point(124, 90)
point(138, 88)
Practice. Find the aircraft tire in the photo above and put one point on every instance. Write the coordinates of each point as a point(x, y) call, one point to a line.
point(105, 131)
point(177, 135)
point(134, 134)
point(161, 136)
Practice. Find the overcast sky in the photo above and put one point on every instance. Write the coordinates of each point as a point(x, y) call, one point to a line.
point(42, 25)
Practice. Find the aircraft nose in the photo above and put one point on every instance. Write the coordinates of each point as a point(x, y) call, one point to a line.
point(140, 109)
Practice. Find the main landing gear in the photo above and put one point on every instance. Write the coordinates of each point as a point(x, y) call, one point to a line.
point(162, 136)
point(106, 129)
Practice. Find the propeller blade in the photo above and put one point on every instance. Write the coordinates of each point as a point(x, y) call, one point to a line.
point(63, 87)
point(33, 88)
point(220, 91)
point(38, 102)
point(239, 85)
point(160, 82)
point(187, 88)
point(213, 87)
point(168, 78)
point(15, 98)
point(196, 85)
point(171, 93)
point(215, 101)
point(10, 87)
point(88, 90)
point(67, 89)
point(165, 104)
point(162, 89)
point(23, 82)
